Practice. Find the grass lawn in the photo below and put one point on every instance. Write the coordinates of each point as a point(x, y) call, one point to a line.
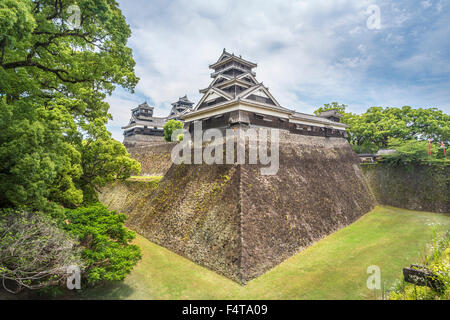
point(145, 178)
point(333, 268)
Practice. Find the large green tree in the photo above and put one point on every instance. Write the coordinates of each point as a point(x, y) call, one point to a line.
point(372, 130)
point(58, 62)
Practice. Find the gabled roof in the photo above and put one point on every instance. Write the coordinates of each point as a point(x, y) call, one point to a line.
point(224, 104)
point(382, 152)
point(180, 114)
point(151, 122)
point(367, 155)
point(248, 92)
point(211, 90)
point(248, 74)
point(220, 76)
point(234, 81)
point(242, 96)
point(184, 100)
point(230, 79)
point(143, 106)
point(310, 117)
point(227, 57)
point(331, 113)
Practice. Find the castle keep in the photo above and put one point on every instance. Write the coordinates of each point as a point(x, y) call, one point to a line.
point(235, 97)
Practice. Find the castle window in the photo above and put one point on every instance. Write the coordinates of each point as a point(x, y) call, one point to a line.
point(262, 117)
point(260, 99)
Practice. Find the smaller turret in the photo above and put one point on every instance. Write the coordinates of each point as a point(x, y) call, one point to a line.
point(180, 107)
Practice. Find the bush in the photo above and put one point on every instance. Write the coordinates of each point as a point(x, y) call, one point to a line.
point(438, 262)
point(365, 148)
point(107, 253)
point(170, 127)
point(34, 252)
point(410, 152)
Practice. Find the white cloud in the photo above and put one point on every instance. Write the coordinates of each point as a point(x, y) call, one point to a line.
point(293, 43)
point(426, 4)
point(308, 52)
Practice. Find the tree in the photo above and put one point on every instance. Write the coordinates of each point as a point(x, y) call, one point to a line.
point(372, 130)
point(170, 127)
point(340, 108)
point(38, 162)
point(103, 160)
point(107, 252)
point(54, 147)
point(410, 151)
point(53, 81)
point(34, 252)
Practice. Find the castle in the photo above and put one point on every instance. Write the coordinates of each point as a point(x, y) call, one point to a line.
point(234, 98)
point(231, 218)
point(143, 128)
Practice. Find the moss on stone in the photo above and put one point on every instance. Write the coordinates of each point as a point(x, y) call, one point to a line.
point(423, 187)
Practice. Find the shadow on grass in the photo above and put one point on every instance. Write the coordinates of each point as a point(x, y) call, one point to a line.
point(109, 291)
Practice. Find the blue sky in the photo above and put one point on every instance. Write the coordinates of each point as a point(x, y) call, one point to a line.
point(308, 52)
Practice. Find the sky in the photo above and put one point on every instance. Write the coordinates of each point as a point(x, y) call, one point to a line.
point(361, 53)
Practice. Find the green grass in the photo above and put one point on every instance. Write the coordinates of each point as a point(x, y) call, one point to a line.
point(333, 268)
point(145, 178)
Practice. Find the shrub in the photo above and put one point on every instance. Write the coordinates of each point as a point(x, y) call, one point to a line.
point(34, 252)
point(107, 253)
point(410, 152)
point(438, 262)
point(170, 127)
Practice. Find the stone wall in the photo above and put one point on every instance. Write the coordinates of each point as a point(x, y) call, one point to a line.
point(127, 196)
point(195, 213)
point(414, 187)
point(318, 190)
point(155, 159)
point(233, 220)
point(142, 140)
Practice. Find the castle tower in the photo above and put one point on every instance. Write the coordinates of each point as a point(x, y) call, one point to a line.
point(236, 97)
point(182, 106)
point(143, 127)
